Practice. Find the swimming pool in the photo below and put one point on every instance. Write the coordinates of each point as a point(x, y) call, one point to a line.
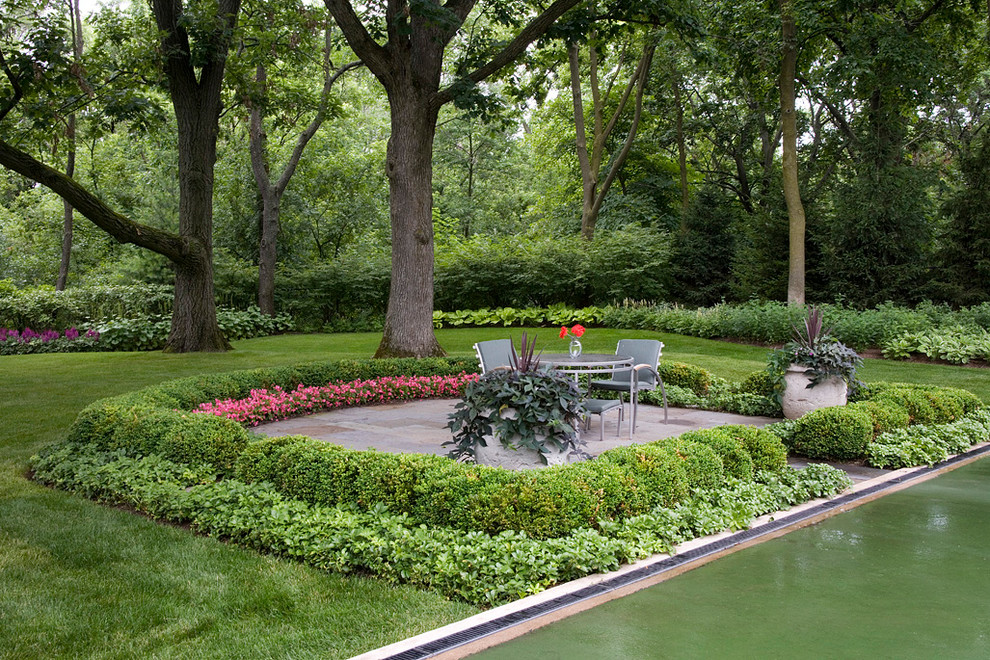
point(905, 576)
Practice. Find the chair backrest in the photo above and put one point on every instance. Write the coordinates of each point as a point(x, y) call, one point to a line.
point(494, 353)
point(643, 351)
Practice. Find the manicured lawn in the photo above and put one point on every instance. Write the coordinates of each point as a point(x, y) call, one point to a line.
point(80, 579)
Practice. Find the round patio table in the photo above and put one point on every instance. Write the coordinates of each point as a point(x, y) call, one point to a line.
point(587, 363)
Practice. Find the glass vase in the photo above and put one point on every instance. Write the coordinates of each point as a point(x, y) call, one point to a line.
point(575, 348)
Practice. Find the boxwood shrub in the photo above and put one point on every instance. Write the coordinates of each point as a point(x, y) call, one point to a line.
point(837, 432)
point(694, 378)
point(729, 448)
point(702, 465)
point(926, 404)
point(758, 382)
point(885, 414)
point(433, 490)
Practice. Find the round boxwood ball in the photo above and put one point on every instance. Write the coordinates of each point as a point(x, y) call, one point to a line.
point(838, 432)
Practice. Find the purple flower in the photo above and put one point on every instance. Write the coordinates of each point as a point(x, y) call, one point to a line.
point(72, 333)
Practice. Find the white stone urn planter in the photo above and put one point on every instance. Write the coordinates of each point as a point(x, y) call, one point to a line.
point(513, 457)
point(799, 399)
point(517, 458)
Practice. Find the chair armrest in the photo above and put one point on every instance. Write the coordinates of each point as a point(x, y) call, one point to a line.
point(634, 381)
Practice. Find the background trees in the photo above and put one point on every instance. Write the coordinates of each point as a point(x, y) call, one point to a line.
point(453, 155)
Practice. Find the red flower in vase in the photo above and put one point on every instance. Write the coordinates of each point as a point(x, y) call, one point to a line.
point(577, 330)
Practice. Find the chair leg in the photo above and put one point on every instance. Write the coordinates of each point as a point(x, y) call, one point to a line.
point(618, 423)
point(633, 402)
point(663, 391)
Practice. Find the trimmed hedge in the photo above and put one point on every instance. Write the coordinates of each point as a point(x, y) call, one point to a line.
point(839, 432)
point(430, 489)
point(729, 448)
point(473, 566)
point(694, 378)
point(550, 503)
point(146, 421)
point(886, 415)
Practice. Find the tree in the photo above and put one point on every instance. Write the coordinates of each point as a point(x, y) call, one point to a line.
point(193, 48)
point(593, 186)
point(272, 188)
point(410, 66)
point(75, 25)
point(792, 190)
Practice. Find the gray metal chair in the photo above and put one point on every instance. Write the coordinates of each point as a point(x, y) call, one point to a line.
point(643, 375)
point(494, 353)
point(600, 407)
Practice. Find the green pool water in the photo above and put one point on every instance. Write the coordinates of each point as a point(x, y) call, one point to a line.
point(905, 576)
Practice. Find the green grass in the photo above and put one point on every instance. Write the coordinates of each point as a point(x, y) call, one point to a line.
point(82, 580)
point(79, 579)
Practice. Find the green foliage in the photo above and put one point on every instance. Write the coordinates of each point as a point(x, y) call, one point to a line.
point(259, 460)
point(702, 254)
point(758, 382)
point(886, 415)
point(139, 429)
point(538, 270)
point(729, 448)
point(964, 248)
point(752, 321)
point(658, 470)
point(928, 444)
point(525, 408)
point(926, 404)
point(43, 307)
point(702, 466)
point(766, 449)
point(472, 566)
point(694, 378)
point(879, 238)
point(722, 397)
point(838, 432)
point(344, 294)
point(150, 333)
point(957, 345)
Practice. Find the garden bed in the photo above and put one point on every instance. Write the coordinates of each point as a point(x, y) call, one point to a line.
point(478, 534)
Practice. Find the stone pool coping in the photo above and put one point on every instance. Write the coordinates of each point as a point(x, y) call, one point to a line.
point(500, 624)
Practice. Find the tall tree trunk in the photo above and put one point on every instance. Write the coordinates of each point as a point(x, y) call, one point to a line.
point(196, 100)
point(271, 192)
point(75, 23)
point(408, 328)
point(194, 314)
point(595, 189)
point(409, 66)
point(675, 83)
point(268, 252)
point(70, 171)
point(792, 191)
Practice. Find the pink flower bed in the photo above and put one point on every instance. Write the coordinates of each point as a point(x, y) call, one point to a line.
point(271, 405)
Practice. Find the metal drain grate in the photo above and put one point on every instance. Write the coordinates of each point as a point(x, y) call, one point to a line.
point(474, 633)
